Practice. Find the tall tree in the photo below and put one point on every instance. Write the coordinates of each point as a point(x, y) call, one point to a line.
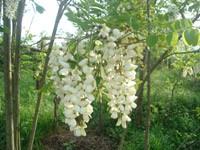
point(62, 6)
point(7, 42)
point(16, 63)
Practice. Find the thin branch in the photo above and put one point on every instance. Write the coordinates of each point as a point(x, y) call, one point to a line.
point(148, 63)
point(60, 12)
point(196, 18)
point(182, 53)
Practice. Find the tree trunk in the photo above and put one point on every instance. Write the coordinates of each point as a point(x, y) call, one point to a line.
point(7, 38)
point(16, 100)
point(1, 6)
point(138, 117)
point(139, 101)
point(148, 116)
point(56, 101)
point(61, 10)
point(148, 62)
point(100, 124)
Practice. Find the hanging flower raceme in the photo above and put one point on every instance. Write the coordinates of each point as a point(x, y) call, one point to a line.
point(11, 8)
point(119, 60)
point(113, 61)
point(74, 84)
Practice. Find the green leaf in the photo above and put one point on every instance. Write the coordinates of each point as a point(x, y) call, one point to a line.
point(186, 23)
point(134, 22)
point(38, 7)
point(1, 29)
point(4, 29)
point(172, 38)
point(177, 25)
point(180, 25)
point(152, 40)
point(191, 37)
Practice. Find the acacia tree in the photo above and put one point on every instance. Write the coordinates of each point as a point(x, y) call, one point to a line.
point(163, 39)
point(166, 32)
point(87, 15)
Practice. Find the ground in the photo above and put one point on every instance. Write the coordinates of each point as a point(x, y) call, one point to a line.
point(64, 140)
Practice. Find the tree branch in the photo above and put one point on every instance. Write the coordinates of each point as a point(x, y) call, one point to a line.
point(61, 9)
point(184, 52)
point(196, 17)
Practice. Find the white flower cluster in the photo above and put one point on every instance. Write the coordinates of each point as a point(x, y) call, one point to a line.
point(74, 84)
point(113, 58)
point(11, 8)
point(120, 74)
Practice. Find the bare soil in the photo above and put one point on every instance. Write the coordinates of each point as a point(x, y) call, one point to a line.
point(64, 140)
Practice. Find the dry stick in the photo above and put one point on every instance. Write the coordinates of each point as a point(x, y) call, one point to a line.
point(16, 101)
point(61, 10)
point(7, 39)
point(148, 119)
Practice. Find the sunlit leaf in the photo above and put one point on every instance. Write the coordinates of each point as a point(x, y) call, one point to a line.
point(172, 38)
point(191, 37)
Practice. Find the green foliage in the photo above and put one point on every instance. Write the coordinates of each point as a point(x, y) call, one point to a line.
point(152, 40)
point(172, 38)
point(181, 25)
point(191, 37)
point(40, 9)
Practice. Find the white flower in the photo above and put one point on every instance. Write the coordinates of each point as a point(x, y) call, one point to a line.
point(87, 70)
point(120, 74)
point(114, 61)
point(11, 8)
point(63, 72)
point(98, 43)
point(104, 32)
point(116, 33)
point(79, 131)
point(83, 62)
point(75, 87)
point(72, 122)
point(114, 115)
